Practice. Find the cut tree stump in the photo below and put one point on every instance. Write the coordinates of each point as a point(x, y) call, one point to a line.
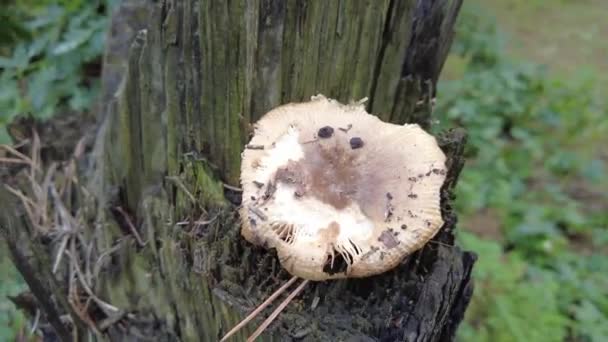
point(145, 243)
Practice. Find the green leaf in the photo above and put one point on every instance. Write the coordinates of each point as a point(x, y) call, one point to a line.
point(73, 40)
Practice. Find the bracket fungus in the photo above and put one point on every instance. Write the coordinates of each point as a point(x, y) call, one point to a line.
point(338, 192)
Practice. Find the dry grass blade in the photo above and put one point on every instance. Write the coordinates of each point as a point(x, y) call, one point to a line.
point(132, 228)
point(106, 307)
point(182, 187)
point(60, 251)
point(99, 261)
point(233, 188)
point(18, 154)
point(258, 309)
point(20, 195)
point(43, 199)
point(70, 170)
point(88, 251)
point(65, 221)
point(14, 161)
point(277, 311)
point(80, 148)
point(36, 321)
point(28, 205)
point(198, 222)
point(35, 151)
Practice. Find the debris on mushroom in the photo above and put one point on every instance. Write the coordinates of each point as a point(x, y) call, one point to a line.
point(335, 204)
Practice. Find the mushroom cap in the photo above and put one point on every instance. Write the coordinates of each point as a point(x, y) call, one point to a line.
point(338, 192)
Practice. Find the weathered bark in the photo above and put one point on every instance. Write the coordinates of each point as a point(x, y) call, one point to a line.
point(183, 80)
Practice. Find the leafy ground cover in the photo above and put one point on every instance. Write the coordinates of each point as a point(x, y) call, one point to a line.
point(533, 194)
point(50, 57)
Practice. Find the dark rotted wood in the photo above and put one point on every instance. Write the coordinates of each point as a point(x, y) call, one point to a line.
point(182, 83)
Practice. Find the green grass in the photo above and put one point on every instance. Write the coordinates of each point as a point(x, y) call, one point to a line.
point(569, 36)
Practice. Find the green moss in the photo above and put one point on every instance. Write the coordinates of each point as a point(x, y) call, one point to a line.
point(208, 189)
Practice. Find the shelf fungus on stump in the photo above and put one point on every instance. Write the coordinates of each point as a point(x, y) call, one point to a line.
point(337, 192)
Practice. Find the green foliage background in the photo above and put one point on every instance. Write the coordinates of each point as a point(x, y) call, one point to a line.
point(532, 197)
point(533, 193)
point(46, 53)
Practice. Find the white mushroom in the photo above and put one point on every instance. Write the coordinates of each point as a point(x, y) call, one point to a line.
point(337, 192)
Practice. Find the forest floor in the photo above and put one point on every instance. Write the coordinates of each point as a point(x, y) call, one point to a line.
point(569, 36)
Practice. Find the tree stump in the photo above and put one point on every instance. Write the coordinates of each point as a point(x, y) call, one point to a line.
point(154, 250)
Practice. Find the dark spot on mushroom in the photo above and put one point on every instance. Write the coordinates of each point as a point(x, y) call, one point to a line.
point(356, 143)
point(258, 184)
point(325, 132)
point(420, 175)
point(428, 173)
point(256, 211)
point(412, 179)
point(388, 214)
point(436, 171)
point(252, 223)
point(404, 226)
point(253, 198)
point(382, 254)
point(269, 190)
point(372, 250)
point(298, 193)
point(254, 147)
point(388, 239)
point(345, 130)
point(413, 196)
point(392, 231)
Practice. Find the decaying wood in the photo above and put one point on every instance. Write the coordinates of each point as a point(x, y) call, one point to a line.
point(183, 82)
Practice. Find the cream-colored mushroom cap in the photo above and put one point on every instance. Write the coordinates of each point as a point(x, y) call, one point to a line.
point(338, 192)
